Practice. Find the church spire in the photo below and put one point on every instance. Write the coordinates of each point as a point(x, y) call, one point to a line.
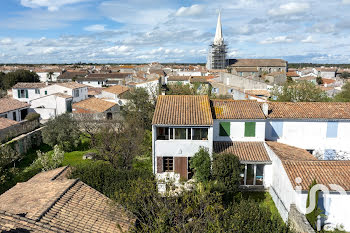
point(218, 40)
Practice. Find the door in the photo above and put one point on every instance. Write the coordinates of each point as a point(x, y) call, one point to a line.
point(14, 116)
point(181, 167)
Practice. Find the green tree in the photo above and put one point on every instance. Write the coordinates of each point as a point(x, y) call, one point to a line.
point(226, 169)
point(11, 78)
point(181, 89)
point(302, 91)
point(312, 217)
point(201, 164)
point(140, 105)
point(345, 75)
point(319, 80)
point(63, 131)
point(49, 76)
point(344, 95)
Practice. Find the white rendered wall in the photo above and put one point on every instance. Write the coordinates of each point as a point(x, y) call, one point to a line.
point(312, 135)
point(10, 114)
point(43, 76)
point(237, 128)
point(93, 83)
point(52, 89)
point(31, 94)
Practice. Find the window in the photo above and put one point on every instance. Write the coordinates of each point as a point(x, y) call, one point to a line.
point(76, 93)
point(224, 129)
point(329, 154)
point(168, 164)
point(200, 134)
point(249, 130)
point(180, 133)
point(276, 129)
point(22, 93)
point(162, 133)
point(259, 174)
point(3, 116)
point(311, 151)
point(37, 91)
point(332, 129)
point(14, 116)
point(252, 174)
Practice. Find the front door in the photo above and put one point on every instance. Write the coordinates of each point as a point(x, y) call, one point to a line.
point(181, 167)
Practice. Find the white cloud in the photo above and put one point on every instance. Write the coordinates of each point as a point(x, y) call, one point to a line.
point(346, 1)
point(190, 11)
point(308, 39)
point(116, 50)
point(289, 9)
point(52, 5)
point(277, 39)
point(95, 28)
point(5, 41)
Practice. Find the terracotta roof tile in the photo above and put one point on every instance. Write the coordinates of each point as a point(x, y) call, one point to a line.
point(5, 123)
point(325, 172)
point(237, 109)
point(257, 62)
point(286, 152)
point(116, 89)
point(72, 85)
point(182, 110)
point(246, 151)
point(178, 78)
point(94, 105)
point(309, 110)
point(9, 104)
point(29, 85)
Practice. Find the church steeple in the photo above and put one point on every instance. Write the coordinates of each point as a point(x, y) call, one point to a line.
point(218, 39)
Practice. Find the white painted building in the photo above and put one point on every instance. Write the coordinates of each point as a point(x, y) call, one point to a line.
point(13, 109)
point(78, 91)
point(151, 86)
point(114, 94)
point(25, 92)
point(46, 76)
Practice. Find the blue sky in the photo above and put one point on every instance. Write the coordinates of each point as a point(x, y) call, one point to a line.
point(65, 31)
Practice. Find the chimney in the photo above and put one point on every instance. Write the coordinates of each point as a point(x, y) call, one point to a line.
point(265, 108)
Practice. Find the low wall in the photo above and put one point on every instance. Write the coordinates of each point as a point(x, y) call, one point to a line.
point(18, 129)
point(298, 221)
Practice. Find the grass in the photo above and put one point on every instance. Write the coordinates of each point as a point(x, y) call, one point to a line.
point(265, 200)
point(75, 158)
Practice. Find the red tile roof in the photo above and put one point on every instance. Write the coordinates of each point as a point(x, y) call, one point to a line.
point(72, 85)
point(245, 151)
point(116, 89)
point(309, 110)
point(5, 123)
point(286, 152)
point(237, 109)
point(9, 104)
point(94, 105)
point(182, 110)
point(29, 85)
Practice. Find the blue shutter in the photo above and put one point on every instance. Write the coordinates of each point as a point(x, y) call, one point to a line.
point(277, 129)
point(332, 129)
point(329, 154)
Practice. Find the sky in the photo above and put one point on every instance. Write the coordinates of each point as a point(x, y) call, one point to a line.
point(142, 31)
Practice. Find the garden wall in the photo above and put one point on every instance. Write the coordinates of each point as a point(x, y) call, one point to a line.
point(18, 129)
point(298, 221)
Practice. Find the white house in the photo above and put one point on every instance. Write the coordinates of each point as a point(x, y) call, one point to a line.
point(78, 91)
point(48, 74)
point(25, 92)
point(151, 86)
point(114, 94)
point(13, 109)
point(52, 105)
point(181, 126)
point(321, 128)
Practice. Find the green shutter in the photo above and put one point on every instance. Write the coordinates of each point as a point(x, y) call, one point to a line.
point(224, 129)
point(26, 93)
point(19, 93)
point(249, 130)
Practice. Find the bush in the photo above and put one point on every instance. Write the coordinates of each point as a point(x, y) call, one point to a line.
point(226, 170)
point(32, 116)
point(63, 131)
point(201, 163)
point(48, 161)
point(106, 179)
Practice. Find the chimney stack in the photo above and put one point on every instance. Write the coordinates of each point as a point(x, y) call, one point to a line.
point(265, 108)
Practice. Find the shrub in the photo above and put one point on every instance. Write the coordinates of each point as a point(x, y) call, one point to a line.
point(49, 161)
point(201, 163)
point(62, 131)
point(226, 170)
point(32, 116)
point(312, 217)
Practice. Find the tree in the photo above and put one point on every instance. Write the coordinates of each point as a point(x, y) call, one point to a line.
point(140, 105)
point(301, 91)
point(344, 95)
point(11, 78)
point(226, 169)
point(201, 164)
point(345, 75)
point(312, 217)
point(48, 161)
point(181, 89)
point(49, 76)
point(319, 80)
point(121, 144)
point(63, 131)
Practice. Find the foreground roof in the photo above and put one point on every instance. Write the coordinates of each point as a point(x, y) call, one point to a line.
point(94, 104)
point(29, 85)
point(309, 110)
point(286, 152)
point(182, 110)
point(245, 151)
point(237, 109)
point(53, 202)
point(5, 123)
point(9, 104)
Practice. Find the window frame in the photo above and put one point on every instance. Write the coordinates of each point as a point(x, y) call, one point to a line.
point(168, 162)
point(254, 171)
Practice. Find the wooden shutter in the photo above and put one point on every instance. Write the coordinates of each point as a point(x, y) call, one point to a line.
point(19, 93)
point(249, 130)
point(181, 166)
point(159, 164)
point(224, 129)
point(26, 93)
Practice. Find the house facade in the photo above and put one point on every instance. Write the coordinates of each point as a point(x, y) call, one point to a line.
point(13, 109)
point(25, 92)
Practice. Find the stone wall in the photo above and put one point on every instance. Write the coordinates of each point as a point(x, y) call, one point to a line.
point(242, 82)
point(18, 129)
point(298, 221)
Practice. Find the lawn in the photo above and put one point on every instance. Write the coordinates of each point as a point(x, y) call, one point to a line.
point(75, 157)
